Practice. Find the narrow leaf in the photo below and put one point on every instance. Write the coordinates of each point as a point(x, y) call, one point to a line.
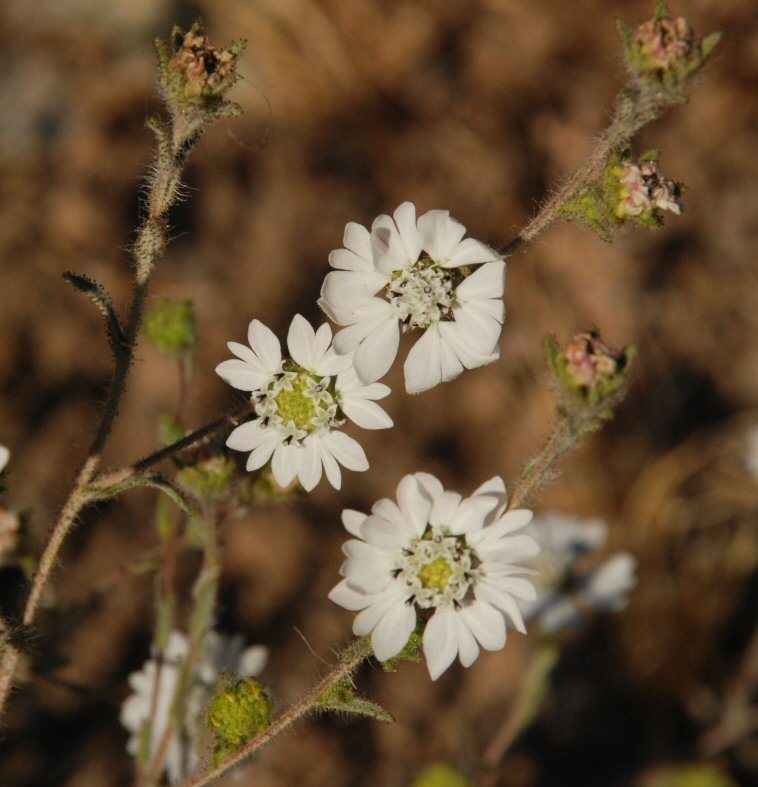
point(99, 296)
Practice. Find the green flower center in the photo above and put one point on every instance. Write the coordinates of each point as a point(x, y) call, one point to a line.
point(294, 405)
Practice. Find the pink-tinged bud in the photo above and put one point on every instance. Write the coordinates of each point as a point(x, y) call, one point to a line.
point(644, 192)
point(664, 42)
point(203, 66)
point(666, 51)
point(588, 371)
point(589, 359)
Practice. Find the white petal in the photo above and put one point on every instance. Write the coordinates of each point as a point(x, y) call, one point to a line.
point(352, 521)
point(253, 660)
point(331, 468)
point(468, 650)
point(349, 598)
point(440, 642)
point(392, 632)
point(249, 435)
point(365, 621)
point(383, 534)
point(445, 507)
point(430, 362)
point(347, 291)
point(492, 592)
point(495, 487)
point(485, 282)
point(368, 415)
point(608, 585)
point(414, 504)
point(459, 341)
point(563, 613)
point(405, 218)
point(485, 623)
point(471, 514)
point(358, 240)
point(265, 344)
point(378, 350)
point(388, 509)
point(301, 342)
point(241, 375)
point(440, 233)
point(510, 522)
point(285, 463)
point(260, 455)
point(471, 252)
point(310, 466)
point(431, 485)
point(346, 451)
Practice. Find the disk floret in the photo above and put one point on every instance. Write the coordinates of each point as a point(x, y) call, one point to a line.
point(438, 569)
point(422, 294)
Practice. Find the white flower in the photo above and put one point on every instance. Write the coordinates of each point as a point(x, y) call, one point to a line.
point(301, 402)
point(440, 557)
point(219, 654)
point(415, 275)
point(566, 590)
point(5, 455)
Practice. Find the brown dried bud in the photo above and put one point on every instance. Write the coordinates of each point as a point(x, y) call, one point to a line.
point(664, 42)
point(589, 359)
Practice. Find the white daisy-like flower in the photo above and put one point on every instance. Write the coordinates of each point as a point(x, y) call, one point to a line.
point(434, 555)
point(301, 401)
point(566, 589)
point(415, 275)
point(219, 654)
point(5, 455)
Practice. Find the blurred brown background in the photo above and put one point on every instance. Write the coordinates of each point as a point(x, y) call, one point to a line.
point(352, 106)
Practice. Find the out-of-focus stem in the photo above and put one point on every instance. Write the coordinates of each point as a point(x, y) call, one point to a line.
point(350, 659)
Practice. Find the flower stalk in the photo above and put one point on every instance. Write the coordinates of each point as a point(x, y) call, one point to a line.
point(350, 659)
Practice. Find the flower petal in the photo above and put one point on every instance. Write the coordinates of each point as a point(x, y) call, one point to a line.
point(265, 344)
point(441, 234)
point(430, 362)
point(414, 504)
point(310, 466)
point(352, 521)
point(440, 642)
point(485, 623)
point(378, 350)
point(241, 375)
point(301, 342)
point(349, 598)
point(485, 282)
point(286, 463)
point(368, 415)
point(346, 451)
point(392, 632)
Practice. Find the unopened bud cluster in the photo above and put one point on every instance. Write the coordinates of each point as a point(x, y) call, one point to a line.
point(638, 191)
point(587, 369)
point(196, 76)
point(237, 713)
point(666, 50)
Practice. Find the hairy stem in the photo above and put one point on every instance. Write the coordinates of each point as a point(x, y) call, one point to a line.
point(149, 247)
point(350, 659)
point(636, 106)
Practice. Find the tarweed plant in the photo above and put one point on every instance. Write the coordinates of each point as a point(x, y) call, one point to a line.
point(432, 574)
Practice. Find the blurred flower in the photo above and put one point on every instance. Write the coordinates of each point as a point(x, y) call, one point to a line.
point(441, 558)
point(663, 42)
point(415, 275)
point(300, 403)
point(219, 654)
point(5, 455)
point(10, 531)
point(751, 453)
point(565, 590)
point(589, 359)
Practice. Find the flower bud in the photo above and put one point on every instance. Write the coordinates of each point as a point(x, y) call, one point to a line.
point(237, 713)
point(588, 369)
point(196, 76)
point(638, 191)
point(666, 50)
point(171, 328)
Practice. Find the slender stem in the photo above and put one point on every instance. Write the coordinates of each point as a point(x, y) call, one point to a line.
point(191, 440)
point(152, 238)
point(205, 592)
point(539, 469)
point(636, 106)
point(350, 659)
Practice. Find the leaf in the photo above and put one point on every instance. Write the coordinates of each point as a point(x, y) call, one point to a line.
point(99, 296)
point(341, 698)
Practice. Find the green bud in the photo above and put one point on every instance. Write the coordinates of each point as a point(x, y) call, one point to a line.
point(441, 775)
point(209, 478)
point(170, 327)
point(238, 712)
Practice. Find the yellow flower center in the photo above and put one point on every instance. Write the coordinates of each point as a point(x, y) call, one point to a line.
point(435, 575)
point(295, 406)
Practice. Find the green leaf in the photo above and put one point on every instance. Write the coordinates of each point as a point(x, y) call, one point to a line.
point(341, 698)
